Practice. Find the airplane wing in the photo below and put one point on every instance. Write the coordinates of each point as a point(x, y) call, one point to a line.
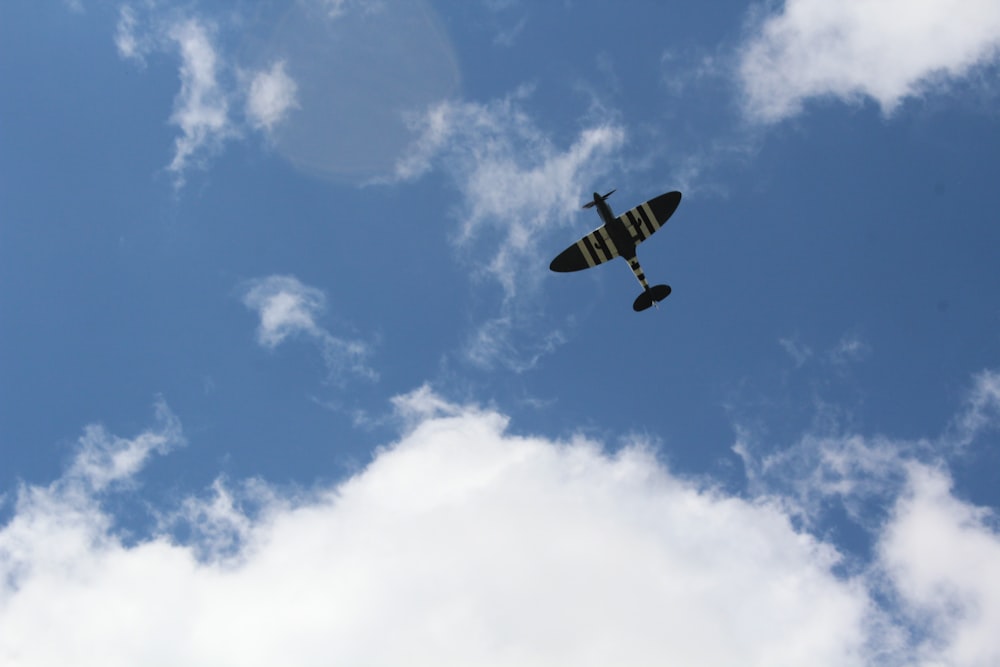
point(593, 249)
point(646, 218)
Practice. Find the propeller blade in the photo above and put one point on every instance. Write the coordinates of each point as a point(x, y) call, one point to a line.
point(590, 204)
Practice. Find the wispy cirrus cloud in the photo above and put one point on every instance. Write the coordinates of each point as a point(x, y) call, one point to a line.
point(127, 40)
point(103, 460)
point(201, 108)
point(850, 348)
point(287, 308)
point(518, 186)
point(478, 546)
point(210, 85)
point(886, 51)
point(513, 178)
point(833, 463)
point(982, 410)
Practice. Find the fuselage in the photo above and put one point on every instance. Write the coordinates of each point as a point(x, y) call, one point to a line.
point(616, 229)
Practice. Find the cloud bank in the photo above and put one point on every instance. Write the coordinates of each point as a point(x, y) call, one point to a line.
point(461, 543)
point(887, 50)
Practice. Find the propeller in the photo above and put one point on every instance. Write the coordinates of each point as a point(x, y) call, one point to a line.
point(590, 204)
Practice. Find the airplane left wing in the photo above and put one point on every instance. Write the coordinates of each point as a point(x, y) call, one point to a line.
point(593, 249)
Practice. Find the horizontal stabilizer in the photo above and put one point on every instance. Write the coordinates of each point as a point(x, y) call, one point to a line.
point(654, 294)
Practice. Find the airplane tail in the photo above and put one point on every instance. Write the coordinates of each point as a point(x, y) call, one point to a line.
point(590, 204)
point(651, 296)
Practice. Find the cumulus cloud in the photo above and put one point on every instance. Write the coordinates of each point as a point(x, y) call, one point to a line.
point(467, 544)
point(288, 308)
point(271, 96)
point(942, 557)
point(471, 545)
point(886, 50)
point(59, 531)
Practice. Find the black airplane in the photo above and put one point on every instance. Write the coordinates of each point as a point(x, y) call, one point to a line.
point(618, 237)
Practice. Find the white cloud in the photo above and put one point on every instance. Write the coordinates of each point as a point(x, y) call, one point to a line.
point(512, 177)
point(982, 411)
point(942, 557)
point(271, 96)
point(518, 187)
point(936, 557)
point(287, 308)
point(127, 40)
point(208, 86)
point(464, 544)
point(853, 469)
point(498, 342)
point(103, 459)
point(469, 545)
point(201, 107)
point(57, 531)
point(422, 404)
point(886, 50)
point(336, 8)
point(850, 348)
point(797, 350)
point(847, 468)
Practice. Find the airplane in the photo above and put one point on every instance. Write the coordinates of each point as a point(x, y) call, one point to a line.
point(618, 237)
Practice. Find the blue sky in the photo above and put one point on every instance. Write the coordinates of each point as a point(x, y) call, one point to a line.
point(283, 371)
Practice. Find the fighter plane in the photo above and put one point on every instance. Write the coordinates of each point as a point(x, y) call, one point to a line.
point(618, 237)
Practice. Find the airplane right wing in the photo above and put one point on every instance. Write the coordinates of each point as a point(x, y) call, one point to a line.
point(643, 220)
point(593, 249)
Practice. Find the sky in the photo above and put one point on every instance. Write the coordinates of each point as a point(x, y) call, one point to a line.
point(285, 378)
